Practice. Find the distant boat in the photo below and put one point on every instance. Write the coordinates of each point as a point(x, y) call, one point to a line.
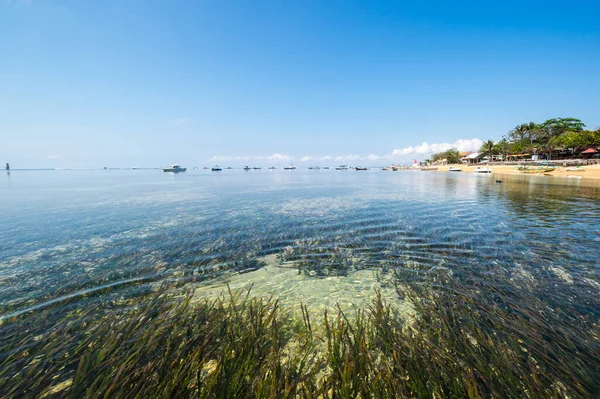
point(314, 167)
point(8, 166)
point(454, 169)
point(174, 168)
point(342, 167)
point(360, 168)
point(256, 168)
point(229, 167)
point(325, 167)
point(486, 169)
point(290, 167)
point(272, 167)
point(247, 168)
point(216, 168)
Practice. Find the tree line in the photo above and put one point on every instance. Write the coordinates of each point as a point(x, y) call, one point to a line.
point(536, 138)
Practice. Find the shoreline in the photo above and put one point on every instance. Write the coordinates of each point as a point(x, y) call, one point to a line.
point(591, 172)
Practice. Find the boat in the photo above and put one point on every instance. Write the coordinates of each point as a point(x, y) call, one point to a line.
point(360, 168)
point(247, 168)
point(314, 167)
point(575, 169)
point(538, 169)
point(216, 168)
point(428, 168)
point(290, 167)
point(342, 167)
point(229, 167)
point(454, 169)
point(325, 167)
point(256, 168)
point(486, 169)
point(272, 167)
point(174, 169)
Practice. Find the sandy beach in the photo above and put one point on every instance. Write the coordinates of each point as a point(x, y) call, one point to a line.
point(590, 172)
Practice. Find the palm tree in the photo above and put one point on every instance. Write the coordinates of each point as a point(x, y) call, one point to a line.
point(488, 149)
point(501, 148)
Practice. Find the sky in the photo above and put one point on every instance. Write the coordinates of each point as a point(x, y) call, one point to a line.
point(122, 83)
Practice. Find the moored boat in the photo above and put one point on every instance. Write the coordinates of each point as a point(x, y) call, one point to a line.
point(454, 169)
point(342, 167)
point(360, 168)
point(216, 168)
point(486, 169)
point(290, 167)
point(575, 169)
point(174, 169)
point(533, 170)
point(247, 168)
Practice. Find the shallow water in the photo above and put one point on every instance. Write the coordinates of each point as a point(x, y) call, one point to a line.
point(319, 237)
point(67, 234)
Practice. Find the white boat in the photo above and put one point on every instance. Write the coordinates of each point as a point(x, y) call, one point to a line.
point(342, 167)
point(453, 169)
point(486, 169)
point(290, 167)
point(575, 169)
point(174, 168)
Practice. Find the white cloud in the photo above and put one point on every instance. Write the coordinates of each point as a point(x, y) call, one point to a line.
point(280, 157)
point(398, 155)
point(425, 148)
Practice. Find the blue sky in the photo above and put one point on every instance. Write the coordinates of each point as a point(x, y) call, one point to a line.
point(147, 83)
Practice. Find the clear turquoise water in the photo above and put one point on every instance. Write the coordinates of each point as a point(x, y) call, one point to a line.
point(86, 235)
point(72, 238)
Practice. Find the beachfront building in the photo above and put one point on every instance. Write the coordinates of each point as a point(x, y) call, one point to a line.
point(474, 157)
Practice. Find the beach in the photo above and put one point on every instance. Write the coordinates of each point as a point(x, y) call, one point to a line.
point(590, 172)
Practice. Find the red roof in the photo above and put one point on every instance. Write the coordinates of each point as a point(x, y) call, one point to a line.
point(589, 151)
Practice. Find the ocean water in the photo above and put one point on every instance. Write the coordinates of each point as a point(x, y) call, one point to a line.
point(321, 237)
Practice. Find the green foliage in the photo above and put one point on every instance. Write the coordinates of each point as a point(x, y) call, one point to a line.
point(551, 134)
point(580, 139)
point(556, 126)
point(451, 156)
point(488, 148)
